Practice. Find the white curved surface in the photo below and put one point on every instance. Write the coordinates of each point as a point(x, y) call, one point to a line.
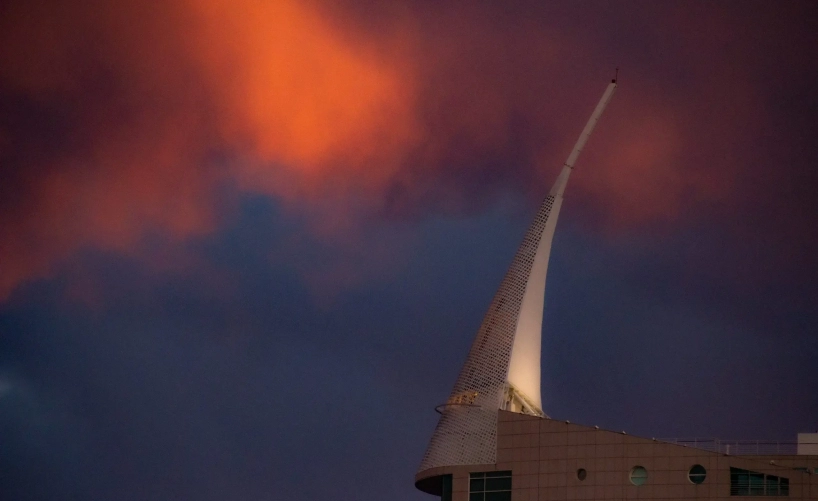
point(506, 351)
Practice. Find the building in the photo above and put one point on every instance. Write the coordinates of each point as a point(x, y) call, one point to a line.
point(493, 441)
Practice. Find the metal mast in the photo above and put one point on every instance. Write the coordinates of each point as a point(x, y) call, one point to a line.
point(502, 370)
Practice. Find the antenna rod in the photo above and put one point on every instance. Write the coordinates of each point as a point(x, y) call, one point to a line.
point(559, 186)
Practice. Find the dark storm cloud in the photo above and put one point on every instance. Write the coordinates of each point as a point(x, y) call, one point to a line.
point(176, 392)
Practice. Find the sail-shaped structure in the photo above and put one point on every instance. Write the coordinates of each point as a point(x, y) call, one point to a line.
point(502, 370)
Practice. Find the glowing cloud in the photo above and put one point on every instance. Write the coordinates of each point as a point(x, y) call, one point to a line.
point(124, 119)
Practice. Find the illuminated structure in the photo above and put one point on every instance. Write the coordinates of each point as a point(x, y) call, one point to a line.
point(502, 370)
point(494, 440)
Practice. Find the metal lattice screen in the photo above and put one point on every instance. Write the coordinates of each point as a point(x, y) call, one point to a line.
point(467, 430)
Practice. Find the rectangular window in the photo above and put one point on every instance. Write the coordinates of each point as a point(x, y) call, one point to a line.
point(756, 484)
point(446, 492)
point(771, 486)
point(751, 483)
point(490, 486)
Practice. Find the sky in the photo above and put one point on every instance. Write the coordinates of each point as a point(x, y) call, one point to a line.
point(245, 245)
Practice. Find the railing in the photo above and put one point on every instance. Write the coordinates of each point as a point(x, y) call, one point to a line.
point(738, 447)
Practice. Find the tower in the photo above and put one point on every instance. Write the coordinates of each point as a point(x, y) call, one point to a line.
point(502, 370)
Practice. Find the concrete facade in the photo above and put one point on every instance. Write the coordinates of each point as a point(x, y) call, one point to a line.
point(544, 456)
point(808, 443)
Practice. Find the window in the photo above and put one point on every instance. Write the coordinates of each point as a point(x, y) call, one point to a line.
point(697, 474)
point(751, 483)
point(756, 484)
point(639, 475)
point(446, 492)
point(490, 486)
point(773, 485)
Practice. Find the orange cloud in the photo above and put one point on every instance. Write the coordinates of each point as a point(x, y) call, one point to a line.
point(294, 93)
point(147, 93)
point(126, 118)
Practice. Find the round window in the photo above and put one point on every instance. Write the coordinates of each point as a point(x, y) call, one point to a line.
point(581, 474)
point(697, 474)
point(639, 475)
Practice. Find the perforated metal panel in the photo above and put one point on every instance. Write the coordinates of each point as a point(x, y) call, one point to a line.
point(467, 430)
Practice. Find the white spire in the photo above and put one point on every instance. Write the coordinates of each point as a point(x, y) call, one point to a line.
point(502, 370)
point(524, 366)
point(559, 186)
